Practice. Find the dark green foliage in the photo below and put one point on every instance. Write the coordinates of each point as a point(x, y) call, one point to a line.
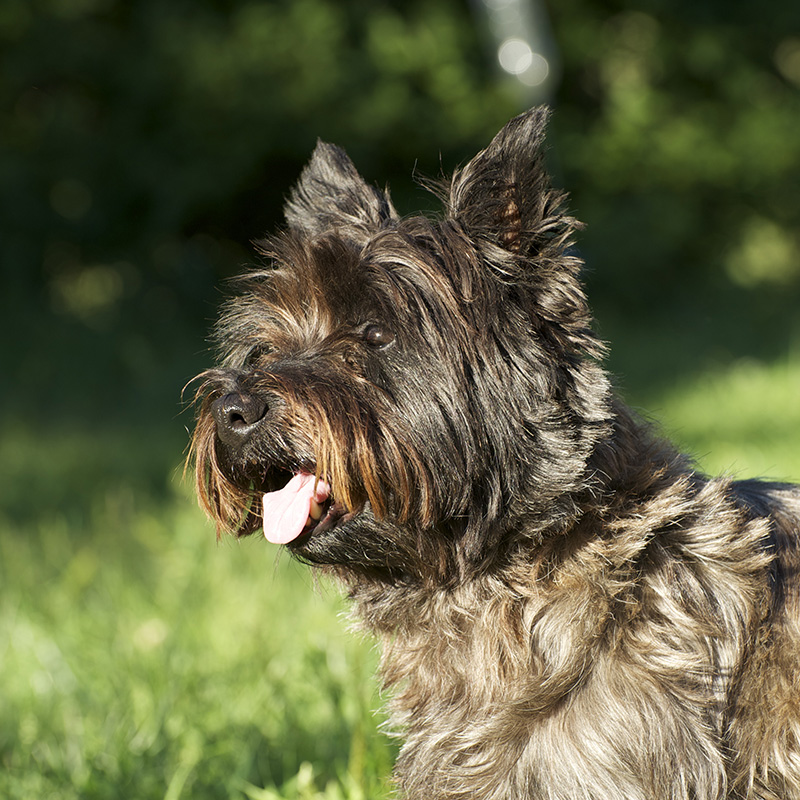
point(144, 144)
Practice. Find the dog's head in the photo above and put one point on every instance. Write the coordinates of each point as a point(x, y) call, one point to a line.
point(395, 394)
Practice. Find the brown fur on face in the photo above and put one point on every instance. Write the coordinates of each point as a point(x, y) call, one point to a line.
point(567, 609)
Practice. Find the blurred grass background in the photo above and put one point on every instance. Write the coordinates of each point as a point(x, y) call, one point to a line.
point(143, 145)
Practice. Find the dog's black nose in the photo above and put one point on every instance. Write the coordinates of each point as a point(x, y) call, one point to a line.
point(237, 415)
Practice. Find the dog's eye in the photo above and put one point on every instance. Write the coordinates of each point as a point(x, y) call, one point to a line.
point(376, 336)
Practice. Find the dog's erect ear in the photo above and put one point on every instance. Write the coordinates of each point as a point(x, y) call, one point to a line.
point(504, 194)
point(331, 194)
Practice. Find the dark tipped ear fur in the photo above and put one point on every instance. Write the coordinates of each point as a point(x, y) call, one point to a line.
point(332, 195)
point(503, 195)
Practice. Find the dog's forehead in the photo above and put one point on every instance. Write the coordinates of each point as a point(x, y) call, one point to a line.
point(415, 274)
point(350, 276)
point(311, 290)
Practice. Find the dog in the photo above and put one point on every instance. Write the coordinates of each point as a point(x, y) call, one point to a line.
point(418, 406)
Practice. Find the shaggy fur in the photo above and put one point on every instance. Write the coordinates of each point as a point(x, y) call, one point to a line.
point(568, 611)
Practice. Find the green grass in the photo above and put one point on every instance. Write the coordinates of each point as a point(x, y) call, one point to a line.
point(743, 420)
point(141, 659)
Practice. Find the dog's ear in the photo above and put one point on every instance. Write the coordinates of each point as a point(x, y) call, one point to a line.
point(331, 194)
point(504, 195)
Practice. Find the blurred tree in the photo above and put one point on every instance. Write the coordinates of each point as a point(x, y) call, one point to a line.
point(145, 143)
point(679, 137)
point(143, 134)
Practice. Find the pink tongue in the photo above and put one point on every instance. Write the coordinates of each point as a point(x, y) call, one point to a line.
point(286, 511)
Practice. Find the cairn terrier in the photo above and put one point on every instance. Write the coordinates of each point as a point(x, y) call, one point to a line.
point(568, 610)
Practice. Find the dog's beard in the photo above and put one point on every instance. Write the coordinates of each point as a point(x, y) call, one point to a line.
point(321, 477)
point(307, 477)
point(358, 541)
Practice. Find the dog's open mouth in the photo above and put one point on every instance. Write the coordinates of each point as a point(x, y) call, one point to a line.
point(303, 505)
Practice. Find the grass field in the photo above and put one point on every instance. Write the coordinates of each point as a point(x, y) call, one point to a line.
point(140, 659)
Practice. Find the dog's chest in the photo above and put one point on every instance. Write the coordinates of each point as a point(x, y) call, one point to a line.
point(504, 692)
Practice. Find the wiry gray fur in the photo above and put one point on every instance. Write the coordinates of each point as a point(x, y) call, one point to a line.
point(567, 609)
